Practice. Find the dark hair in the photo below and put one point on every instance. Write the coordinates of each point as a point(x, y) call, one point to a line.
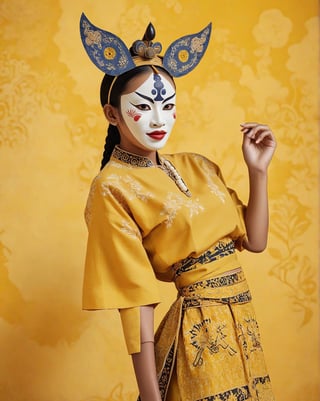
point(113, 136)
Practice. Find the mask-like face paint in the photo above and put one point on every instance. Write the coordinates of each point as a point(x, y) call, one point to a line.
point(150, 112)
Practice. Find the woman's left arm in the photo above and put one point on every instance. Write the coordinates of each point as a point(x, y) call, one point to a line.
point(258, 148)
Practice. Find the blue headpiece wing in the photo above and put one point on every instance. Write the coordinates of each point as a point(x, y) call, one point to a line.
point(106, 50)
point(184, 54)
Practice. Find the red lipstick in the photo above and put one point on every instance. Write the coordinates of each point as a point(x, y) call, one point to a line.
point(157, 135)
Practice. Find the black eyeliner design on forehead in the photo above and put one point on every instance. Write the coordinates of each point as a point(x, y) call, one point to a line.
point(151, 100)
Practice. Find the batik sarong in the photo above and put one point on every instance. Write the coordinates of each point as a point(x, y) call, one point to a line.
point(208, 345)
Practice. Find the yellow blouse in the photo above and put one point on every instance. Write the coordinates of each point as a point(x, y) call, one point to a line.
point(141, 221)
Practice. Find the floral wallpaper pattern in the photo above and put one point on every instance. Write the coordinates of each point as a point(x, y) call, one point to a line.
point(261, 65)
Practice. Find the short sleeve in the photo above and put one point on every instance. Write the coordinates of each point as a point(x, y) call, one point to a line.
point(118, 273)
point(240, 234)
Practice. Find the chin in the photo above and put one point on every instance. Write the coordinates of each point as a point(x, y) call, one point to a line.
point(157, 146)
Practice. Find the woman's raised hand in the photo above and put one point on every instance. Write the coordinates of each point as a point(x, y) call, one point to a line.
point(258, 145)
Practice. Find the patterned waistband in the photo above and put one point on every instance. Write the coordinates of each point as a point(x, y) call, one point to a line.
point(215, 282)
point(227, 289)
point(218, 251)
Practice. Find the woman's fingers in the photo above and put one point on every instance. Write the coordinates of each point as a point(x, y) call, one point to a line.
point(257, 132)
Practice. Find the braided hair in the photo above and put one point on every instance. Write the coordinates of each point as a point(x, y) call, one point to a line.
point(113, 135)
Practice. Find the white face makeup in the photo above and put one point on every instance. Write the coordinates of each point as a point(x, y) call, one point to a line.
point(150, 112)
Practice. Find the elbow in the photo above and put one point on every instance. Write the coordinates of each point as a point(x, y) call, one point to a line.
point(255, 247)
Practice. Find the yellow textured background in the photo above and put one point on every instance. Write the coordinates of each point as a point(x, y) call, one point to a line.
point(261, 65)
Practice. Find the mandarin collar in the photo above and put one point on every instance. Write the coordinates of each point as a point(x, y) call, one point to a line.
point(132, 158)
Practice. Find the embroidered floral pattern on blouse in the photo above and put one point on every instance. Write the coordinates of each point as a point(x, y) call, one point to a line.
point(87, 212)
point(117, 194)
point(210, 173)
point(132, 160)
point(130, 188)
point(130, 230)
point(175, 202)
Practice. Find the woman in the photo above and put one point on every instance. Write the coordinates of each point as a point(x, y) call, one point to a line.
point(172, 218)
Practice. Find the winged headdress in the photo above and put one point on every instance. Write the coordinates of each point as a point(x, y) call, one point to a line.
point(109, 53)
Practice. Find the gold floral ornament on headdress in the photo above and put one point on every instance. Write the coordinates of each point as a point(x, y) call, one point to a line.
point(109, 53)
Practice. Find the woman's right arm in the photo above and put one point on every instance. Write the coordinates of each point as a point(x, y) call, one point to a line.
point(144, 361)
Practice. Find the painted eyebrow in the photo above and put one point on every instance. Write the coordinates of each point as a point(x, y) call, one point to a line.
point(168, 98)
point(151, 100)
point(144, 97)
